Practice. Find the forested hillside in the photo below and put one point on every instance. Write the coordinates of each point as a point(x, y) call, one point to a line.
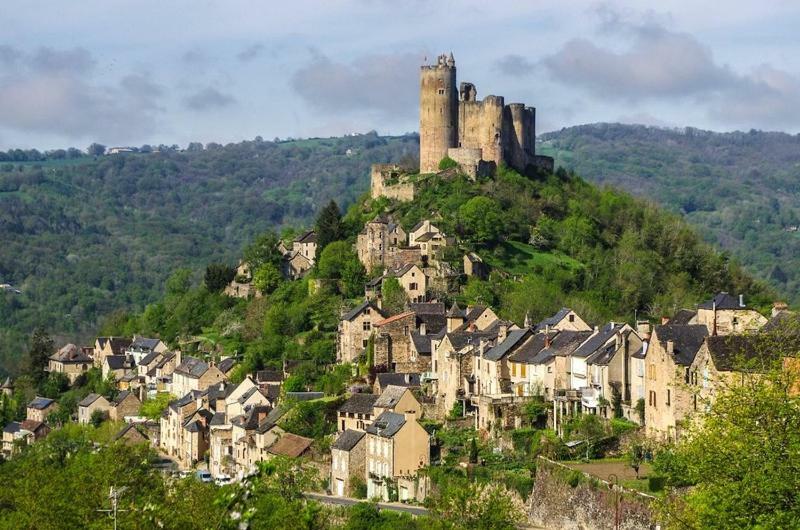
point(740, 190)
point(82, 237)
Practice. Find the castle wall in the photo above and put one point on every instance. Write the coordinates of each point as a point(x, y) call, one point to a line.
point(386, 180)
point(518, 126)
point(481, 127)
point(438, 114)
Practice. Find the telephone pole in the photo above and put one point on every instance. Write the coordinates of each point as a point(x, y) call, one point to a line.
point(114, 496)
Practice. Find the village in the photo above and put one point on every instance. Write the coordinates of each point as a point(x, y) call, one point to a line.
point(415, 361)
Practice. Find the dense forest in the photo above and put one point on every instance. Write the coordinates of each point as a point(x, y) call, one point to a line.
point(83, 236)
point(740, 190)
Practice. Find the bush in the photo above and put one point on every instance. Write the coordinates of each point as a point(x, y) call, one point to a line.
point(656, 483)
point(447, 163)
point(620, 426)
point(359, 487)
point(574, 478)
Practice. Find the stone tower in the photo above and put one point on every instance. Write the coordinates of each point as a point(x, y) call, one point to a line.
point(438, 112)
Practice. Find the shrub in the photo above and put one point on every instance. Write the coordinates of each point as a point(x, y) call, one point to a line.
point(620, 426)
point(574, 478)
point(656, 483)
point(447, 163)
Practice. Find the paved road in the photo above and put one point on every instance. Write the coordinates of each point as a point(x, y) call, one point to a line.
point(346, 501)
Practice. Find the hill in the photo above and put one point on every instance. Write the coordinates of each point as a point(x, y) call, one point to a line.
point(80, 238)
point(740, 190)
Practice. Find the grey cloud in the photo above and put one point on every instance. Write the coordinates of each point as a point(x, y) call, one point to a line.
point(194, 57)
point(514, 65)
point(250, 53)
point(208, 98)
point(378, 83)
point(54, 91)
point(659, 63)
point(765, 98)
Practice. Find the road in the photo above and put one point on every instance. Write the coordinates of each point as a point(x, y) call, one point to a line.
point(346, 501)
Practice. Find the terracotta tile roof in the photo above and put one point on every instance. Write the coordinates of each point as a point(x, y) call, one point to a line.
point(290, 445)
point(394, 318)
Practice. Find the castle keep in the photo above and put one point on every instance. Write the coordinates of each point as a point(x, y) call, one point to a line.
point(479, 135)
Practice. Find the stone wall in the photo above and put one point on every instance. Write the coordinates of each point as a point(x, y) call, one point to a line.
point(393, 344)
point(438, 113)
point(388, 180)
point(590, 505)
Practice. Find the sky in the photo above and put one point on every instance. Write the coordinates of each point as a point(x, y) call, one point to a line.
point(173, 72)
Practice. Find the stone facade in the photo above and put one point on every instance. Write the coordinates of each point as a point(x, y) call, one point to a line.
point(355, 330)
point(348, 460)
point(393, 342)
point(479, 134)
point(388, 180)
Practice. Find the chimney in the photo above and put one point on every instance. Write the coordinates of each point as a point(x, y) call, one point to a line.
point(423, 329)
point(714, 326)
point(262, 415)
point(502, 332)
point(547, 340)
point(670, 347)
point(741, 300)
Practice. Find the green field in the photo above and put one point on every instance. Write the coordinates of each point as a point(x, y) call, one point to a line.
point(518, 258)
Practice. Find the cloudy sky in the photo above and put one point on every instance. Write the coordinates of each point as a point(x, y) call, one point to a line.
point(129, 73)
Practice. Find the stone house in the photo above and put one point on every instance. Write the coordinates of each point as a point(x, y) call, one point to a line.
point(88, 405)
point(397, 447)
point(411, 278)
point(159, 378)
point(564, 320)
point(71, 361)
point(377, 241)
point(393, 342)
point(670, 355)
point(126, 404)
point(580, 376)
point(355, 330)
point(398, 399)
point(410, 380)
point(105, 346)
point(195, 374)
point(295, 265)
point(542, 366)
point(172, 421)
point(306, 245)
point(220, 452)
point(246, 450)
point(725, 315)
point(610, 371)
point(474, 266)
point(39, 408)
point(195, 437)
point(24, 432)
point(117, 366)
point(291, 445)
point(429, 239)
point(142, 346)
point(242, 284)
point(348, 460)
point(356, 413)
point(131, 434)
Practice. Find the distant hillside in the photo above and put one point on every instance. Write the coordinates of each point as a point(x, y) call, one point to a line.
point(81, 238)
point(740, 190)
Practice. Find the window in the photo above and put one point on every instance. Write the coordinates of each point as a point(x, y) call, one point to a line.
point(366, 326)
point(412, 287)
point(651, 372)
point(513, 369)
point(549, 369)
point(669, 395)
point(572, 318)
point(694, 400)
point(441, 91)
point(364, 343)
point(652, 398)
point(522, 370)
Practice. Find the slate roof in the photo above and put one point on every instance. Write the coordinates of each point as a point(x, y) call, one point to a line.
point(740, 352)
point(528, 351)
point(225, 365)
point(603, 356)
point(290, 445)
point(7, 383)
point(88, 400)
point(165, 358)
point(461, 339)
point(176, 404)
point(269, 376)
point(122, 396)
point(387, 424)
point(553, 320)
point(40, 403)
point(723, 301)
point(407, 379)
point(118, 344)
point(116, 362)
point(390, 397)
point(433, 322)
point(598, 340)
point(687, 340)
point(348, 440)
point(683, 317)
point(144, 343)
point(422, 343)
point(31, 425)
point(353, 313)
point(219, 419)
point(71, 354)
point(305, 396)
point(250, 420)
point(641, 353)
point(359, 404)
point(149, 358)
point(562, 343)
point(502, 349)
point(308, 237)
point(192, 367)
point(455, 311)
point(428, 308)
point(783, 320)
point(12, 427)
point(125, 430)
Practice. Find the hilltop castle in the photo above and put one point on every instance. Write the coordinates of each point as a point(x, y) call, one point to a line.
point(479, 135)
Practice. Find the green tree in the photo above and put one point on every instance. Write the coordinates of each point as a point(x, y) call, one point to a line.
point(267, 278)
point(38, 355)
point(339, 262)
point(97, 418)
point(462, 504)
point(393, 295)
point(481, 219)
point(218, 276)
point(328, 226)
point(96, 149)
point(264, 249)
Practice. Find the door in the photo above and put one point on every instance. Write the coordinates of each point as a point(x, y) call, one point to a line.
point(340, 487)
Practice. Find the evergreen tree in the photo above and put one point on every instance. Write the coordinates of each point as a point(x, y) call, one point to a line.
point(328, 226)
point(218, 275)
point(38, 355)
